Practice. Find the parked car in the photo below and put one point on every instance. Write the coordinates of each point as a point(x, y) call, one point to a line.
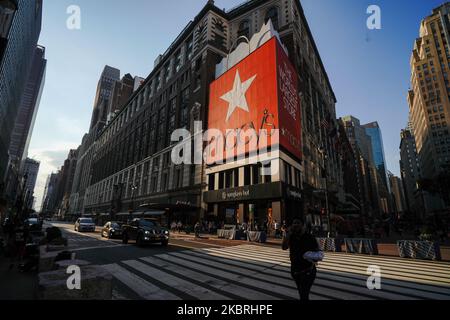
point(85, 225)
point(145, 231)
point(34, 225)
point(112, 230)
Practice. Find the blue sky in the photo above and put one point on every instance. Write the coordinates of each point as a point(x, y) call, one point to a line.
point(369, 70)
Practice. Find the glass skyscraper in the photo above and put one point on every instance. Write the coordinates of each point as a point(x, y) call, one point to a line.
point(19, 47)
point(374, 132)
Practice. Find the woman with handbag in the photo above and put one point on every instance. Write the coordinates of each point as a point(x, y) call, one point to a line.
point(304, 253)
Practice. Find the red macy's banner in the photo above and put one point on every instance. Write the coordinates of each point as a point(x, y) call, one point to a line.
point(259, 93)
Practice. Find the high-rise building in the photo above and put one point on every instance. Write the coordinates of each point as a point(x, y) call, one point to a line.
point(410, 173)
point(429, 98)
point(83, 168)
point(7, 11)
point(31, 170)
point(374, 132)
point(26, 117)
point(132, 159)
point(18, 49)
point(105, 85)
point(49, 206)
point(398, 194)
point(65, 183)
point(370, 179)
point(353, 174)
point(121, 92)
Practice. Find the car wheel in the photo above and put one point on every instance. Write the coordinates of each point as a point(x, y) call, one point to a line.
point(125, 239)
point(165, 243)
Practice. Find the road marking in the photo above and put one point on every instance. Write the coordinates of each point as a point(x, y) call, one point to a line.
point(175, 282)
point(143, 288)
point(166, 262)
point(263, 273)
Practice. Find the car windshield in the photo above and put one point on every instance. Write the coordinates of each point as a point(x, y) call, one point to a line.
point(115, 225)
point(149, 223)
point(33, 221)
point(86, 221)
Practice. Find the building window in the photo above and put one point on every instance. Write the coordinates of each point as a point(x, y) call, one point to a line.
point(244, 29)
point(165, 181)
point(178, 61)
point(247, 176)
point(178, 177)
point(221, 180)
point(211, 181)
point(190, 49)
point(272, 14)
point(256, 174)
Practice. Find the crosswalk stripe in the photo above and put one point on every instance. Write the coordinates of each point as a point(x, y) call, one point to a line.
point(183, 259)
point(257, 272)
point(330, 268)
point(321, 276)
point(143, 288)
point(347, 285)
point(341, 265)
point(261, 260)
point(411, 272)
point(393, 276)
point(436, 264)
point(337, 293)
point(175, 282)
point(394, 262)
point(219, 258)
point(167, 262)
point(391, 285)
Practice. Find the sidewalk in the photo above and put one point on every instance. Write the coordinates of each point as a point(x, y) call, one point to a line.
point(15, 285)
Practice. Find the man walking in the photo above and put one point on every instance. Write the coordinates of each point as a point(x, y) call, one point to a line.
point(303, 271)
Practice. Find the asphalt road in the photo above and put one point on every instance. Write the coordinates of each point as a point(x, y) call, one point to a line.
point(226, 270)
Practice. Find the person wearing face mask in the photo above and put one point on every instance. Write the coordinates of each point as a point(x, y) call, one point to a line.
point(304, 253)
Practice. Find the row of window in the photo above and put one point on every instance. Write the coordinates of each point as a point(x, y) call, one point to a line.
point(245, 25)
point(172, 67)
point(137, 182)
point(150, 133)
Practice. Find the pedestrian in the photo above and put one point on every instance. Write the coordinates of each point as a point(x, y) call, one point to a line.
point(244, 226)
point(179, 226)
point(197, 228)
point(277, 227)
point(284, 228)
point(210, 227)
point(173, 226)
point(303, 271)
